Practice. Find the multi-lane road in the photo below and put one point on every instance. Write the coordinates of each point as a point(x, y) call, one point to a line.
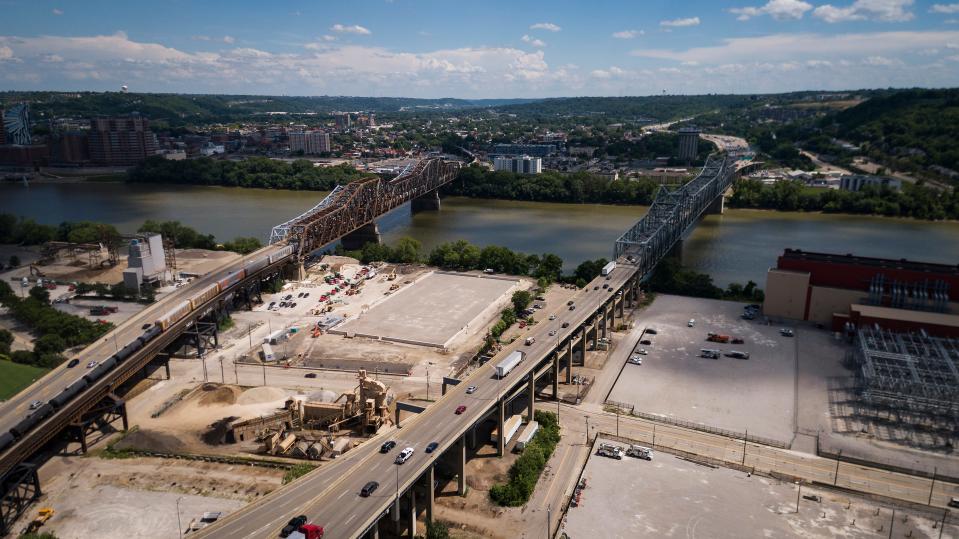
point(330, 495)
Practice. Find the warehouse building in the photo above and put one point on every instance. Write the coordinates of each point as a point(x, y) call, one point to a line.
point(836, 290)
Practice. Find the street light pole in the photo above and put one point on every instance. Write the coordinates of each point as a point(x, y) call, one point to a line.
point(549, 519)
point(587, 429)
point(179, 525)
point(798, 493)
point(617, 421)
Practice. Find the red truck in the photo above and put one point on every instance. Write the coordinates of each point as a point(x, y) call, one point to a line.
point(308, 531)
point(715, 337)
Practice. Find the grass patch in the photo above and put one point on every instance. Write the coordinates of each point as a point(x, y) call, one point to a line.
point(16, 376)
point(111, 451)
point(525, 472)
point(296, 472)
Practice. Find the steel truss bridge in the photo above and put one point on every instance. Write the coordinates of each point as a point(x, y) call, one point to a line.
point(673, 214)
point(356, 204)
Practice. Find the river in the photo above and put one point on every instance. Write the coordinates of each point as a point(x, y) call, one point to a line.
point(735, 247)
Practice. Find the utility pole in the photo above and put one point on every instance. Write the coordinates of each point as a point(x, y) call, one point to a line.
point(427, 384)
point(179, 525)
point(746, 435)
point(835, 475)
point(617, 421)
point(587, 429)
point(933, 485)
point(798, 493)
point(236, 373)
point(892, 522)
point(222, 375)
point(264, 373)
point(549, 519)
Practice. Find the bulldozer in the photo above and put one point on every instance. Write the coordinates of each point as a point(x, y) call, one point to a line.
point(43, 515)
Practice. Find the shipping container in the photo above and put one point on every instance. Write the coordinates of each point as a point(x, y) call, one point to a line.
point(268, 352)
point(504, 367)
point(281, 254)
point(231, 279)
point(204, 295)
point(526, 436)
point(608, 268)
point(174, 315)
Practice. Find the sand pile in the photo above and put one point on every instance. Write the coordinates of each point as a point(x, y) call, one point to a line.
point(214, 395)
point(262, 395)
point(324, 395)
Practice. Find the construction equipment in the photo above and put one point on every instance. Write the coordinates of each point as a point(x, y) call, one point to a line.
point(392, 275)
point(43, 515)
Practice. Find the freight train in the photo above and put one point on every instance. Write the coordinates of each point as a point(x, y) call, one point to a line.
point(163, 322)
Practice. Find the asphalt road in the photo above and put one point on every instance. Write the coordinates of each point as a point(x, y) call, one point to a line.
point(330, 496)
point(47, 387)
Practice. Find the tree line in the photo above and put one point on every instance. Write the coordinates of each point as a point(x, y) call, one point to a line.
point(259, 172)
point(525, 472)
point(550, 186)
point(914, 200)
point(670, 277)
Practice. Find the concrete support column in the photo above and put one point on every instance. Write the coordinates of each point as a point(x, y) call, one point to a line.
point(582, 349)
point(532, 396)
point(461, 466)
point(569, 363)
point(368, 233)
point(501, 423)
point(412, 529)
point(556, 375)
point(123, 415)
point(605, 319)
point(472, 434)
point(717, 206)
point(300, 271)
point(430, 493)
point(428, 202)
point(375, 532)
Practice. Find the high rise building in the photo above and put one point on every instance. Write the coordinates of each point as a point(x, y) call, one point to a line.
point(121, 141)
point(688, 143)
point(310, 142)
point(519, 165)
point(342, 120)
point(535, 150)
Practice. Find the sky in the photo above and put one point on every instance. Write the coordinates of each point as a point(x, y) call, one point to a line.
point(485, 49)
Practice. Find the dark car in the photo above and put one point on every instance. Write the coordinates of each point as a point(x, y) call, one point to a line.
point(310, 375)
point(368, 489)
point(385, 448)
point(73, 363)
point(293, 525)
point(565, 324)
point(651, 331)
point(647, 342)
point(460, 409)
point(572, 307)
point(146, 326)
point(570, 302)
point(430, 447)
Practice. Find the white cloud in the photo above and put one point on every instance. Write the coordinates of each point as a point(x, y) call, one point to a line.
point(628, 34)
point(327, 37)
point(57, 11)
point(352, 29)
point(861, 10)
point(6, 53)
point(881, 61)
point(777, 9)
point(533, 41)
point(200, 38)
point(229, 40)
point(691, 21)
point(545, 26)
point(944, 8)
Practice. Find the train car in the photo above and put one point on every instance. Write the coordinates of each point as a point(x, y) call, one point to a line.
point(149, 334)
point(44, 411)
point(25, 425)
point(256, 265)
point(174, 315)
point(6, 439)
point(68, 393)
point(231, 279)
point(204, 295)
point(100, 370)
point(128, 351)
point(281, 254)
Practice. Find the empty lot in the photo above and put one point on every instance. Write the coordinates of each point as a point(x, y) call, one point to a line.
point(757, 394)
point(434, 310)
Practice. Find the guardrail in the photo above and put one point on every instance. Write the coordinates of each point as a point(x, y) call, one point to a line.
point(703, 427)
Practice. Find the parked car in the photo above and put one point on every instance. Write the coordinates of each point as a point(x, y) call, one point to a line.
point(737, 340)
point(565, 325)
point(572, 307)
point(73, 363)
point(552, 317)
point(570, 302)
point(404, 455)
point(310, 375)
point(430, 447)
point(146, 326)
point(368, 489)
point(293, 525)
point(691, 323)
point(270, 306)
point(552, 333)
point(460, 409)
point(646, 342)
point(651, 331)
point(596, 287)
point(641, 351)
point(387, 446)
point(786, 332)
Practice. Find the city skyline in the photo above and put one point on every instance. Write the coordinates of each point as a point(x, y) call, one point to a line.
point(497, 50)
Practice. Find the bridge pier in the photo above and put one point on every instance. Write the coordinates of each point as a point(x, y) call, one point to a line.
point(582, 350)
point(430, 492)
point(108, 411)
point(461, 465)
point(556, 375)
point(569, 362)
point(501, 424)
point(532, 396)
point(368, 233)
point(428, 202)
point(717, 206)
point(19, 487)
point(411, 531)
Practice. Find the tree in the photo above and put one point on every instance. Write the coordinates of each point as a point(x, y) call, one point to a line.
point(243, 245)
point(521, 300)
point(437, 530)
point(406, 251)
point(40, 294)
point(50, 343)
point(14, 261)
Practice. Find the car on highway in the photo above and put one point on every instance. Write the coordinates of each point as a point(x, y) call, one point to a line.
point(460, 409)
point(737, 340)
point(91, 364)
point(293, 525)
point(387, 446)
point(636, 360)
point(36, 404)
point(570, 302)
point(552, 333)
point(430, 447)
point(73, 363)
point(146, 326)
point(572, 307)
point(565, 325)
point(310, 375)
point(404, 455)
point(596, 287)
point(552, 317)
point(651, 331)
point(470, 390)
point(368, 489)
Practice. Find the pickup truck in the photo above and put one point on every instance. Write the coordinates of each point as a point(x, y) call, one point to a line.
point(611, 451)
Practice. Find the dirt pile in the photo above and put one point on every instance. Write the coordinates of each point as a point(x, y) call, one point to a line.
point(217, 395)
point(262, 395)
point(149, 440)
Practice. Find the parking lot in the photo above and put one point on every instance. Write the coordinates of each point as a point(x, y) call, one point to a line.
point(674, 497)
point(756, 394)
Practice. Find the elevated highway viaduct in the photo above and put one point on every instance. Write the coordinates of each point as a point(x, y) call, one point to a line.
point(329, 496)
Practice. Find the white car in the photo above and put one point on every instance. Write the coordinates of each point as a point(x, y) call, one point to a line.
point(404, 455)
point(552, 317)
point(470, 390)
point(691, 323)
point(552, 333)
point(641, 351)
point(91, 364)
point(636, 360)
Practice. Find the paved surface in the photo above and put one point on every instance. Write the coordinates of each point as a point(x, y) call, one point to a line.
point(445, 304)
point(673, 497)
point(330, 496)
point(757, 394)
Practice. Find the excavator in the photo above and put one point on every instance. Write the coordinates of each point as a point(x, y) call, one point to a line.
point(43, 515)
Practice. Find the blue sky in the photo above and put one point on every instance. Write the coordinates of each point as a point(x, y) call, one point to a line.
point(485, 49)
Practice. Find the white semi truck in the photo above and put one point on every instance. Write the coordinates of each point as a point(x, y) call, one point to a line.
point(504, 367)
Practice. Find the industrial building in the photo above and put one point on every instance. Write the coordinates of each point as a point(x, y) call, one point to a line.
point(519, 165)
point(310, 142)
point(688, 143)
point(836, 290)
point(146, 263)
point(856, 182)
